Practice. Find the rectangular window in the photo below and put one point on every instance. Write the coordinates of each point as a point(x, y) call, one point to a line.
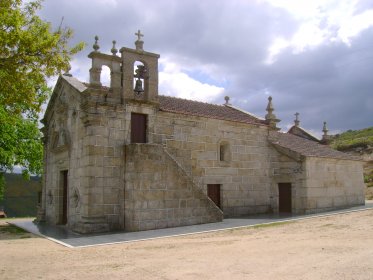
point(222, 150)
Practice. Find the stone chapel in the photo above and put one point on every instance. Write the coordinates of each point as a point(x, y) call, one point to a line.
point(126, 158)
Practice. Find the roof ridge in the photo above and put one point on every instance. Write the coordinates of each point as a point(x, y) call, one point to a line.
point(190, 100)
point(303, 130)
point(204, 109)
point(306, 147)
point(244, 111)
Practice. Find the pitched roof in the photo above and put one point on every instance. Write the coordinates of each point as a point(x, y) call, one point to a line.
point(201, 109)
point(301, 132)
point(190, 107)
point(75, 83)
point(306, 147)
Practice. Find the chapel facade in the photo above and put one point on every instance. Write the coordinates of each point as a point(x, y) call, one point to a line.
point(124, 157)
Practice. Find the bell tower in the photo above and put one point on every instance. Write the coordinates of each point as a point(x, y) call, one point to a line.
point(113, 62)
point(139, 72)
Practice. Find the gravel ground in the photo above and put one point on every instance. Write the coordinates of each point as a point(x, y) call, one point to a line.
point(333, 247)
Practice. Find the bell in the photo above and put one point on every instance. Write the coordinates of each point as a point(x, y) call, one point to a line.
point(138, 87)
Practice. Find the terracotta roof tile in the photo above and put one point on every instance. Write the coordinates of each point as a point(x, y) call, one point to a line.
point(195, 108)
point(306, 147)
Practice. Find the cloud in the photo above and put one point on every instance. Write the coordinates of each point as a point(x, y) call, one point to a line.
point(313, 57)
point(174, 82)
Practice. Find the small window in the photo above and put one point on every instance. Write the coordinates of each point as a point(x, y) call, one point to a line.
point(224, 152)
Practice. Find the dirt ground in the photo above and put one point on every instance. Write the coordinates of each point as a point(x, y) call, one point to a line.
point(334, 247)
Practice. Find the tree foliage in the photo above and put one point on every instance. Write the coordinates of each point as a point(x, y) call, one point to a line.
point(30, 53)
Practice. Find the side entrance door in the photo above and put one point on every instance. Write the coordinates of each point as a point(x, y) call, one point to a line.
point(138, 128)
point(284, 197)
point(213, 192)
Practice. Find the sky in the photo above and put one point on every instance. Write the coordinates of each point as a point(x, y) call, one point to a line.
point(313, 57)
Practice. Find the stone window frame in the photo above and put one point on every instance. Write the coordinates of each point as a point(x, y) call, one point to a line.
point(150, 120)
point(224, 153)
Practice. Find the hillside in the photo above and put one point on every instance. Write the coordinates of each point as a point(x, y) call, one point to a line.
point(21, 196)
point(358, 142)
point(354, 140)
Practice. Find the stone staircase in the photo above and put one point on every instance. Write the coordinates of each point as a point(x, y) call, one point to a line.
point(159, 193)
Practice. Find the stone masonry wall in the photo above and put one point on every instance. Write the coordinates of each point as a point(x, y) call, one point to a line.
point(244, 177)
point(159, 194)
point(61, 134)
point(332, 184)
point(101, 166)
point(287, 169)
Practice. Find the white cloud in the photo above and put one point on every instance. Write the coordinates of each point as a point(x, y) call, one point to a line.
point(175, 79)
point(301, 9)
point(209, 54)
point(276, 48)
point(352, 26)
point(174, 82)
point(105, 76)
point(320, 22)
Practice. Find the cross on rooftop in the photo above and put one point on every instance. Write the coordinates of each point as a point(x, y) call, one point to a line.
point(139, 35)
point(296, 121)
point(296, 115)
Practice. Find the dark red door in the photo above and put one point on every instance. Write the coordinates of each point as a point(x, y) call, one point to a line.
point(64, 197)
point(284, 197)
point(213, 192)
point(138, 128)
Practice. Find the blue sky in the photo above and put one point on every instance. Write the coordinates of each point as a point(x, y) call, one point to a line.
point(313, 57)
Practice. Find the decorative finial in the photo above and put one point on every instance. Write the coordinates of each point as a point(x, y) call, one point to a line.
point(226, 98)
point(325, 130)
point(270, 117)
point(269, 108)
point(113, 49)
point(325, 138)
point(296, 121)
point(67, 73)
point(139, 43)
point(95, 45)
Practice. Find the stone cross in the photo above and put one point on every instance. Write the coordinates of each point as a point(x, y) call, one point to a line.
point(139, 35)
point(296, 121)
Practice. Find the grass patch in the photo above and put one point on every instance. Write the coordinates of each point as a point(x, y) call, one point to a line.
point(10, 229)
point(272, 224)
point(261, 226)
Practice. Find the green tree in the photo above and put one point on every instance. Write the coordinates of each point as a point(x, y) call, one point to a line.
point(30, 53)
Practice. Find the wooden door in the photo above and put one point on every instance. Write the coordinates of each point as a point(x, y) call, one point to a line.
point(138, 128)
point(213, 192)
point(64, 196)
point(284, 197)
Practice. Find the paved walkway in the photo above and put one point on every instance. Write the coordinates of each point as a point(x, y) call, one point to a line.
point(70, 239)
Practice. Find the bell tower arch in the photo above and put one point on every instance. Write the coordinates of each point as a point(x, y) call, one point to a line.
point(139, 72)
point(113, 62)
